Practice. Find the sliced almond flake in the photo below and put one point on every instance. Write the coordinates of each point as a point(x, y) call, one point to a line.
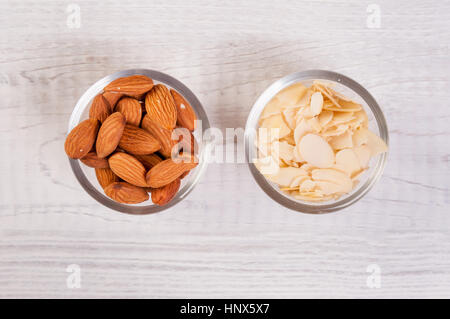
point(358, 174)
point(335, 130)
point(325, 117)
point(337, 95)
point(316, 103)
point(289, 188)
point(342, 117)
point(360, 137)
point(324, 83)
point(305, 100)
point(330, 188)
point(314, 124)
point(304, 113)
point(294, 164)
point(361, 116)
point(289, 139)
point(336, 109)
point(267, 165)
point(301, 130)
point(283, 163)
point(308, 167)
point(354, 124)
point(376, 144)
point(363, 153)
point(330, 174)
point(276, 121)
point(289, 115)
point(296, 155)
point(342, 141)
point(263, 149)
point(307, 185)
point(316, 151)
point(283, 150)
point(272, 108)
point(298, 180)
point(324, 92)
point(312, 195)
point(328, 104)
point(350, 105)
point(347, 160)
point(285, 175)
point(292, 94)
point(311, 199)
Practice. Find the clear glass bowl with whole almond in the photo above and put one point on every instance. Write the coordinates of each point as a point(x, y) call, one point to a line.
point(316, 141)
point(133, 143)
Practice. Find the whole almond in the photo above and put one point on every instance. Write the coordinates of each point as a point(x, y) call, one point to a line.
point(125, 193)
point(138, 141)
point(131, 109)
point(163, 195)
point(109, 134)
point(105, 176)
point(184, 174)
point(149, 160)
point(112, 98)
point(139, 97)
point(161, 107)
point(81, 139)
point(167, 171)
point(130, 85)
point(128, 168)
point(92, 160)
point(100, 108)
point(185, 113)
point(163, 135)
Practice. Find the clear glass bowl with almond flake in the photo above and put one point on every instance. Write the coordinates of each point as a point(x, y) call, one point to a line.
point(316, 141)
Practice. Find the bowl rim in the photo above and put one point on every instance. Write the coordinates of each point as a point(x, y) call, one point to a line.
point(252, 124)
point(84, 102)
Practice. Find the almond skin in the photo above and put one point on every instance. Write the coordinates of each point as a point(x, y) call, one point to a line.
point(131, 109)
point(128, 168)
point(163, 195)
point(100, 108)
point(81, 139)
point(149, 160)
point(92, 160)
point(138, 141)
point(185, 113)
point(160, 107)
point(130, 85)
point(184, 174)
point(125, 193)
point(109, 134)
point(163, 135)
point(139, 97)
point(112, 99)
point(105, 176)
point(167, 171)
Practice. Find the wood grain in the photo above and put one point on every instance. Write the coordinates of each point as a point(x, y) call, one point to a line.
point(234, 242)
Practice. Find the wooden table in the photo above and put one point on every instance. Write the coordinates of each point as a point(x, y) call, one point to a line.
point(227, 239)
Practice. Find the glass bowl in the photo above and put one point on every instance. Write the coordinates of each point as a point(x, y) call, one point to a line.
point(86, 175)
point(377, 124)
